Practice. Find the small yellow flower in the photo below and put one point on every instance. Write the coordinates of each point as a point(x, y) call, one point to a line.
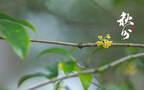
point(107, 43)
point(105, 40)
point(60, 67)
point(108, 36)
point(99, 43)
point(100, 37)
point(131, 69)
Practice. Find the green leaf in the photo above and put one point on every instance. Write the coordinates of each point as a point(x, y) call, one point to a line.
point(68, 66)
point(85, 79)
point(27, 24)
point(58, 86)
point(53, 71)
point(55, 50)
point(16, 36)
point(22, 22)
point(26, 77)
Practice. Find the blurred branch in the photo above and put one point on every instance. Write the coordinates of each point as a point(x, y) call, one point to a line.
point(85, 45)
point(90, 71)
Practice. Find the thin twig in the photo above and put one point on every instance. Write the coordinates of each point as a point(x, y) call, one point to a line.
point(90, 71)
point(86, 44)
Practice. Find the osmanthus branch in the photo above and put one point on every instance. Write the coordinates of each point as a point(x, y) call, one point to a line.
point(90, 71)
point(86, 44)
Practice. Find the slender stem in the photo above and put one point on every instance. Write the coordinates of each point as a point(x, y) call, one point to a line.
point(90, 71)
point(86, 44)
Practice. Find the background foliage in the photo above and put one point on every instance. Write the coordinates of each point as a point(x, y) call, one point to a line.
point(77, 21)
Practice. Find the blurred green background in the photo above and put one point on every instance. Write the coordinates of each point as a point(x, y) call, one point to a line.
point(78, 21)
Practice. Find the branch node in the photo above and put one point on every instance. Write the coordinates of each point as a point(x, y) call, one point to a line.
point(80, 46)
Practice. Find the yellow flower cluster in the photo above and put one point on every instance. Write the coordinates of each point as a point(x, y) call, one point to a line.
point(104, 41)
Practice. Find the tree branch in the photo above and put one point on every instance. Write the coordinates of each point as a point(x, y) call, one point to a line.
point(90, 71)
point(85, 45)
